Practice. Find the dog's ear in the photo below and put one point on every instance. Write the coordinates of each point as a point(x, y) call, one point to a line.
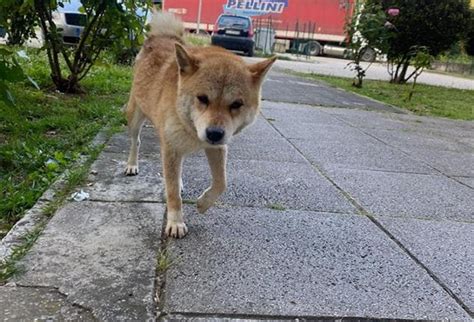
point(260, 69)
point(186, 63)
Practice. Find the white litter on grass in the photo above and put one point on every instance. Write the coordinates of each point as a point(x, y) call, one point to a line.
point(80, 196)
point(22, 54)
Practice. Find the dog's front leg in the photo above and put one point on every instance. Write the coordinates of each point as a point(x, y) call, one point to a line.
point(172, 164)
point(217, 158)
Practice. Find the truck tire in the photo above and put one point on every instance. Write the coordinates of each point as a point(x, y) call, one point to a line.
point(313, 48)
point(368, 54)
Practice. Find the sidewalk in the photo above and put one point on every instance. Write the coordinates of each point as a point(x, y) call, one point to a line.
point(329, 213)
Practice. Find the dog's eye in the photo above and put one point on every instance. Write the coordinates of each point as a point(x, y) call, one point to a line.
point(236, 105)
point(203, 99)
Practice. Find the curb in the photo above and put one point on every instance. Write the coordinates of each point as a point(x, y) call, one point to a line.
point(36, 215)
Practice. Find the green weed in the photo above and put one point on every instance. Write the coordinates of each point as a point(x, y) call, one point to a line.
point(46, 132)
point(427, 100)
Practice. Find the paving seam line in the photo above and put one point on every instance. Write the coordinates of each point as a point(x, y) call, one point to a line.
point(452, 177)
point(126, 201)
point(160, 277)
point(34, 217)
point(190, 315)
point(366, 213)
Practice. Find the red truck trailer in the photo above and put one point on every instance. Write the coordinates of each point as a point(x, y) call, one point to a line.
point(309, 26)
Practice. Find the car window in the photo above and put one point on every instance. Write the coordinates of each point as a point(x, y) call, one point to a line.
point(76, 19)
point(231, 21)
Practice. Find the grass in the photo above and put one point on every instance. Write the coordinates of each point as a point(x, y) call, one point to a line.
point(74, 177)
point(197, 40)
point(46, 131)
point(164, 261)
point(427, 100)
point(10, 267)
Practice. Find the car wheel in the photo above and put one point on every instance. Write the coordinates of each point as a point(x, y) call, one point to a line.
point(250, 52)
point(368, 54)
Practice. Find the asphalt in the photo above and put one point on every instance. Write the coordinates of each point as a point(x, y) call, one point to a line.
point(376, 71)
point(334, 210)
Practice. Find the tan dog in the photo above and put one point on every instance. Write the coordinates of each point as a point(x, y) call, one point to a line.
point(197, 98)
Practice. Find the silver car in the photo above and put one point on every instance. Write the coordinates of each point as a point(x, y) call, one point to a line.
point(70, 25)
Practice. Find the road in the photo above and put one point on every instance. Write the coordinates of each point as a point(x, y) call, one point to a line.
point(337, 207)
point(378, 71)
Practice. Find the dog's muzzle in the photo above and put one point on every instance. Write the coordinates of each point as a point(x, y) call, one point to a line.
point(214, 135)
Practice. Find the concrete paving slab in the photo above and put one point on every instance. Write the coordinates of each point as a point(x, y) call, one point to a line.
point(407, 195)
point(440, 123)
point(445, 248)
point(246, 147)
point(414, 140)
point(295, 263)
point(282, 87)
point(313, 132)
point(107, 181)
point(260, 129)
point(372, 120)
point(347, 148)
point(120, 142)
point(467, 181)
point(469, 141)
point(38, 304)
point(404, 122)
point(266, 184)
point(295, 114)
point(102, 256)
point(448, 162)
point(219, 318)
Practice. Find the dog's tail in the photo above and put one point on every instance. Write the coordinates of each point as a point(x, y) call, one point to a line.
point(165, 24)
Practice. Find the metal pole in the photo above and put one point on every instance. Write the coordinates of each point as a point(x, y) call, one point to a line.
point(199, 17)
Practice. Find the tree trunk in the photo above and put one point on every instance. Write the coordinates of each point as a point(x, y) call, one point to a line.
point(401, 78)
point(15, 36)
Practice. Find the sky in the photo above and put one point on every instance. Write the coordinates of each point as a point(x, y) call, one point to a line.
point(74, 5)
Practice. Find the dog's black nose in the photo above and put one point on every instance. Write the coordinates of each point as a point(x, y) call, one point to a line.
point(214, 134)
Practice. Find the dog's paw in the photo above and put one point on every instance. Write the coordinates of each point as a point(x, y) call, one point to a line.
point(131, 170)
point(205, 202)
point(176, 230)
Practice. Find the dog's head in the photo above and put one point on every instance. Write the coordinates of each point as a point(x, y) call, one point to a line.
point(218, 93)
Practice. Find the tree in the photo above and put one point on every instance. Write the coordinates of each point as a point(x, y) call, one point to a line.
point(469, 39)
point(421, 60)
point(367, 29)
point(107, 22)
point(431, 24)
point(19, 20)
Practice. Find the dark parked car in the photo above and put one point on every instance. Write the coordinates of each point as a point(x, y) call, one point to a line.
point(234, 33)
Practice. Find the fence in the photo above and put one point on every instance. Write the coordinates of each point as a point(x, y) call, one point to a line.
point(295, 38)
point(452, 67)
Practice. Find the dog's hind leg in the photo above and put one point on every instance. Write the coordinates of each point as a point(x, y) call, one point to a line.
point(217, 158)
point(135, 122)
